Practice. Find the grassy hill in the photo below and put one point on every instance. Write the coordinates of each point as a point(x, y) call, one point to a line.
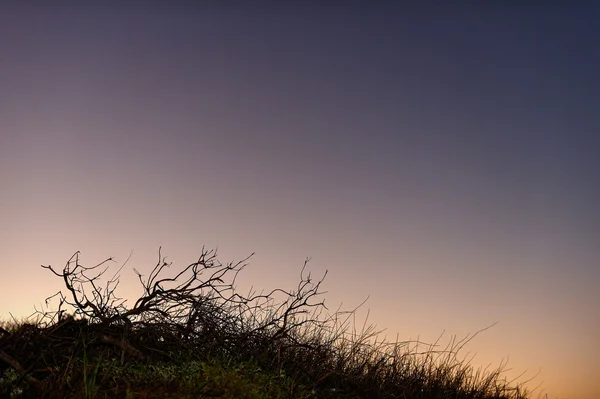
point(192, 335)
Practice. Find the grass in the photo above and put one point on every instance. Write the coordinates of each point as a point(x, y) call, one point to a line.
point(223, 346)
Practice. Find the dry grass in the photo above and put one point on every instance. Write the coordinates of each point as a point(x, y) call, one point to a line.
point(193, 335)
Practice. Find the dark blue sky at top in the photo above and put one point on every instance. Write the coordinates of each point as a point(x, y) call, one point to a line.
point(498, 98)
point(502, 93)
point(536, 67)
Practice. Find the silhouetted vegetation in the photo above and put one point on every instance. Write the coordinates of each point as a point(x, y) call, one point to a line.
point(193, 335)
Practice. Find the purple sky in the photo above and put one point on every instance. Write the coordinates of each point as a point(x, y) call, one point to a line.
point(443, 161)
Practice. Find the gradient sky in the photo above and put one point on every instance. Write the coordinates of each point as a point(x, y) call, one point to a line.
point(442, 160)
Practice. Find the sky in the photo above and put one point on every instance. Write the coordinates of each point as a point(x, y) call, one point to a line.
point(441, 161)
